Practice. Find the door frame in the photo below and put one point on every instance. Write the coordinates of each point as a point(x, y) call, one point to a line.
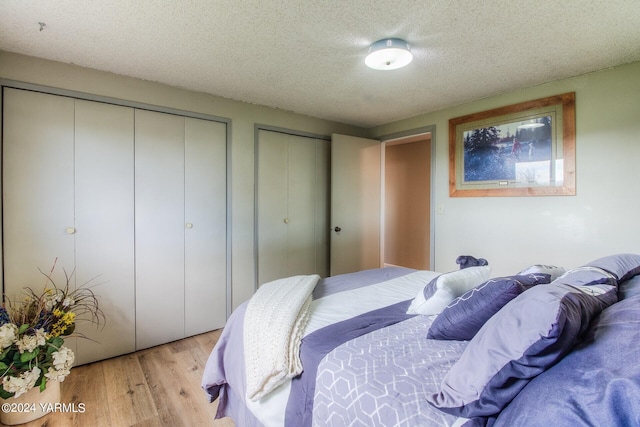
point(257, 127)
point(394, 138)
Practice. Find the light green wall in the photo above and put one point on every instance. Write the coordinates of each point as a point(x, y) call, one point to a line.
point(512, 232)
point(244, 116)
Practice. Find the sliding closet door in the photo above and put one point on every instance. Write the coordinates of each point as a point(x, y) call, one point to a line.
point(159, 224)
point(38, 188)
point(104, 222)
point(206, 226)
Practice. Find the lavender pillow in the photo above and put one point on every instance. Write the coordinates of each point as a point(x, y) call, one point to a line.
point(629, 288)
point(435, 296)
point(601, 376)
point(587, 276)
point(623, 266)
point(530, 334)
point(465, 315)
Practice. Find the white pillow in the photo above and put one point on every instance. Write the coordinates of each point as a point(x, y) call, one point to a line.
point(438, 293)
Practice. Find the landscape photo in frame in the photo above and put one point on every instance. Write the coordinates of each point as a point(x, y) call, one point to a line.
point(519, 150)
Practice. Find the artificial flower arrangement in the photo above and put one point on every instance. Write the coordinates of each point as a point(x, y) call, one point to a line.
point(32, 334)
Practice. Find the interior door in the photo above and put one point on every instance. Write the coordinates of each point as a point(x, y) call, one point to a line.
point(355, 204)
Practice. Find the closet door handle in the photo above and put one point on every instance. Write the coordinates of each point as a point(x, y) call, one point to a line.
point(70, 230)
point(337, 229)
point(189, 225)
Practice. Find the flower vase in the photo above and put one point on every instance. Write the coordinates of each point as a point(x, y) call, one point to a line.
point(30, 405)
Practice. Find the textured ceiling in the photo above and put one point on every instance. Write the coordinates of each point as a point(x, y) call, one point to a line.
point(308, 56)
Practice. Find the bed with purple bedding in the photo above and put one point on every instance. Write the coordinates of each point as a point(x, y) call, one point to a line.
point(403, 347)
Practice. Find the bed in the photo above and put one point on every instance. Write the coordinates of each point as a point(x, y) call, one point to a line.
point(402, 347)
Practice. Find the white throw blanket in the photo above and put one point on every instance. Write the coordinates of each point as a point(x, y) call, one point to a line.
point(274, 322)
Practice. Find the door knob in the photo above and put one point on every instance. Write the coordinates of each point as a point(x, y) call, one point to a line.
point(337, 229)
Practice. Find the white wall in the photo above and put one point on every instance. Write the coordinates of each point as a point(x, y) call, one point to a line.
point(513, 232)
point(244, 116)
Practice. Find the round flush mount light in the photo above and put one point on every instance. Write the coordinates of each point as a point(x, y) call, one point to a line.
point(388, 54)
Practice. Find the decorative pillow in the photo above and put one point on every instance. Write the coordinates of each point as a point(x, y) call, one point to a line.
point(530, 334)
point(629, 288)
point(623, 266)
point(587, 276)
point(465, 315)
point(597, 384)
point(445, 288)
point(466, 261)
point(551, 270)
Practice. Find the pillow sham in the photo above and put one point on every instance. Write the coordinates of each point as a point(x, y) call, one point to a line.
point(629, 288)
point(443, 289)
point(465, 315)
point(587, 276)
point(623, 266)
point(551, 270)
point(530, 334)
point(601, 375)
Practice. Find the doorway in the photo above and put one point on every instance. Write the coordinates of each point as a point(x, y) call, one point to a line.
point(407, 202)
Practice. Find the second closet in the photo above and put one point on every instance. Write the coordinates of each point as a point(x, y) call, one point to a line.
point(292, 216)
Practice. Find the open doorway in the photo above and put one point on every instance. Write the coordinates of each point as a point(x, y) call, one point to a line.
point(407, 202)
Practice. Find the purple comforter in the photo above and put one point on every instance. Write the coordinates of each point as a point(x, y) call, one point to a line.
point(376, 338)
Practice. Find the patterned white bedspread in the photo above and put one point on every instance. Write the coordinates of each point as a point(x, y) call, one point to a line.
point(366, 362)
point(380, 379)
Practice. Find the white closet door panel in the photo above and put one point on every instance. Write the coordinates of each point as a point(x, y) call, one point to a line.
point(37, 187)
point(159, 223)
point(206, 226)
point(105, 225)
point(272, 191)
point(322, 211)
point(301, 242)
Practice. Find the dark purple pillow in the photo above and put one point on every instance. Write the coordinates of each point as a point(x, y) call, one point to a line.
point(465, 315)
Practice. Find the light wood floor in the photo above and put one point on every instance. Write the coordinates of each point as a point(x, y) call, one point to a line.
point(159, 386)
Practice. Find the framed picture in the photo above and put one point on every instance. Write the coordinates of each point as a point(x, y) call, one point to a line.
point(525, 149)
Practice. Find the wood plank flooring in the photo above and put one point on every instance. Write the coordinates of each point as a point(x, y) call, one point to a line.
point(159, 386)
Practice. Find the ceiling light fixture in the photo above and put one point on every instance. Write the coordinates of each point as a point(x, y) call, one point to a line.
point(388, 54)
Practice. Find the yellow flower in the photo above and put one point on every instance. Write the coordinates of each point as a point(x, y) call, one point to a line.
point(64, 321)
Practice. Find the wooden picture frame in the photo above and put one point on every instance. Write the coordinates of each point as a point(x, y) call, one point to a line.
point(525, 149)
